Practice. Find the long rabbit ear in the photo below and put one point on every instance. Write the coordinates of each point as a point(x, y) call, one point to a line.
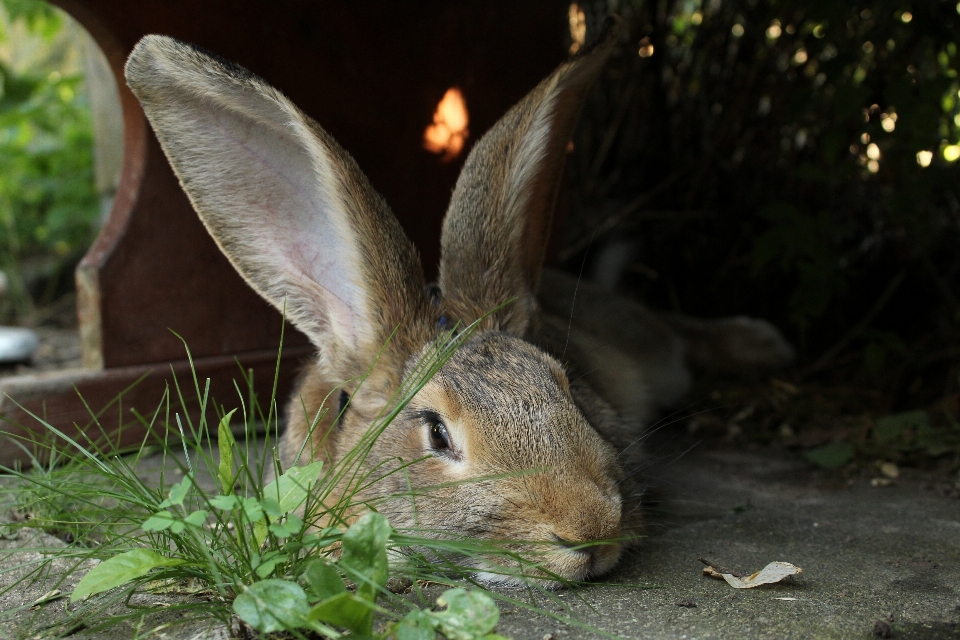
point(288, 207)
point(497, 226)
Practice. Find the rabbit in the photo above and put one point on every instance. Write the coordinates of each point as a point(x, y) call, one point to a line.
point(551, 405)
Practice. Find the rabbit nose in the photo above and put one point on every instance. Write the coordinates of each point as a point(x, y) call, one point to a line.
point(595, 518)
point(594, 553)
point(585, 532)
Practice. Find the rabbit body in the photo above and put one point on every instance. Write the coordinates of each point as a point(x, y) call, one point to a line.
point(543, 402)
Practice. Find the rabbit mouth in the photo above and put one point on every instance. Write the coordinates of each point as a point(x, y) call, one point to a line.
point(559, 568)
point(584, 563)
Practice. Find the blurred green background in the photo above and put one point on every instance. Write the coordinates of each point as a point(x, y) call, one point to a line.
point(50, 205)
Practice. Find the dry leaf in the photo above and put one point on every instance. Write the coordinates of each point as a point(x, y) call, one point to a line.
point(773, 572)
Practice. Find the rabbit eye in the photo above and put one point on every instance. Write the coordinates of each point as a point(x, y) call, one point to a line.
point(344, 399)
point(439, 438)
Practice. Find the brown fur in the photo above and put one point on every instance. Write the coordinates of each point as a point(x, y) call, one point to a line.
point(533, 456)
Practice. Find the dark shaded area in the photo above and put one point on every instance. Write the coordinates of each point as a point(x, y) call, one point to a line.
point(754, 167)
point(766, 158)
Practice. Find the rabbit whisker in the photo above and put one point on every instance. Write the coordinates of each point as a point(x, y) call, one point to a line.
point(573, 304)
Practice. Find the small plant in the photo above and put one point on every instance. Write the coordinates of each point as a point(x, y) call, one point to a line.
point(290, 554)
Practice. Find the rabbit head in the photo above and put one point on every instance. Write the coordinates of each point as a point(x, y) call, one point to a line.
point(496, 433)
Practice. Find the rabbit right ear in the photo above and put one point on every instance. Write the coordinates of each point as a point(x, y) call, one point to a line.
point(288, 207)
point(496, 230)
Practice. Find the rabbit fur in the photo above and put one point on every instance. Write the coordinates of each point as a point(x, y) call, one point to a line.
point(541, 384)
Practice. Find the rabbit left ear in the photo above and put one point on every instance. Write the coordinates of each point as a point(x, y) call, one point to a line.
point(287, 206)
point(498, 223)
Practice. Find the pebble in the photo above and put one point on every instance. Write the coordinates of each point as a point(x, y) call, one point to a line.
point(17, 344)
point(882, 629)
point(890, 470)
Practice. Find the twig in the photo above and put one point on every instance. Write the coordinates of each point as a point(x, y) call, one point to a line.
point(946, 354)
point(943, 287)
point(668, 214)
point(613, 219)
point(721, 569)
point(877, 307)
point(607, 143)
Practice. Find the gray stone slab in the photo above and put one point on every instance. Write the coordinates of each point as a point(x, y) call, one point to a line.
point(868, 554)
point(21, 620)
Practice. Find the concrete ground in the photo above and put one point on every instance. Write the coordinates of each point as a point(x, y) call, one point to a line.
point(868, 554)
point(876, 560)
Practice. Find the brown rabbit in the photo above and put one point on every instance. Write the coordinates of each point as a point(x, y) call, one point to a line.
point(527, 391)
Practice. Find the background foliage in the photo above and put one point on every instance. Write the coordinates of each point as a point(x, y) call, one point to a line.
point(48, 202)
point(796, 161)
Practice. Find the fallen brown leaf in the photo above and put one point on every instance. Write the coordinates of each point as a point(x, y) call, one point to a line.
point(773, 572)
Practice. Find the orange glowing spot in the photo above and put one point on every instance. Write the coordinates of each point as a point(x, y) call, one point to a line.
point(449, 132)
point(578, 27)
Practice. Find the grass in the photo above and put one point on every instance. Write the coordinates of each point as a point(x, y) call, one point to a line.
point(249, 548)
